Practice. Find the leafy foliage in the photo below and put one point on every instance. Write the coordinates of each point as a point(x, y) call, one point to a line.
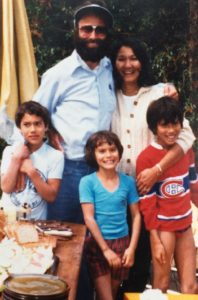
point(162, 25)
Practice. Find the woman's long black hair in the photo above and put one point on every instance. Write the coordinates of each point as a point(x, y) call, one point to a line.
point(146, 77)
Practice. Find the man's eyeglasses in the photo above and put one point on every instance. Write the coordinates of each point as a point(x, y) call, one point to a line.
point(88, 29)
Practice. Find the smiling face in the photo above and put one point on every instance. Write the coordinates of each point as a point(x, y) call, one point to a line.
point(167, 134)
point(107, 156)
point(33, 130)
point(127, 65)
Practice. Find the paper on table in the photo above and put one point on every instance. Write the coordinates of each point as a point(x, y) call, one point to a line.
point(153, 294)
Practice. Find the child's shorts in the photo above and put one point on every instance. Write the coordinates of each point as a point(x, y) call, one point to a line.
point(97, 263)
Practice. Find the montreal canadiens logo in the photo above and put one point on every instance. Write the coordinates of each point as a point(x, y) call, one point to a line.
point(172, 188)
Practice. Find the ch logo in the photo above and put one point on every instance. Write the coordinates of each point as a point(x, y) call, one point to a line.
point(172, 188)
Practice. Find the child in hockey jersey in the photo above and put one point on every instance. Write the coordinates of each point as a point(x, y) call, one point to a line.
point(167, 207)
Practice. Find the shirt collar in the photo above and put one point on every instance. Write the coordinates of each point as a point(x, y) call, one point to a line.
point(77, 62)
point(40, 150)
point(156, 145)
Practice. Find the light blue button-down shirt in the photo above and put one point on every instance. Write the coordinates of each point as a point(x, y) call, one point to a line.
point(81, 101)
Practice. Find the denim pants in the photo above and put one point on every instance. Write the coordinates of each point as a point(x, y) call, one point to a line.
point(67, 208)
point(67, 205)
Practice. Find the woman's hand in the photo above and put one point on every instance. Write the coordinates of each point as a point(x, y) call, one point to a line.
point(170, 91)
point(146, 179)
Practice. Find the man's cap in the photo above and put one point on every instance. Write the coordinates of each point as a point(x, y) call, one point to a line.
point(96, 9)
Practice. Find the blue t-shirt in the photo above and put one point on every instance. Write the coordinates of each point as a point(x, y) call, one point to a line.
point(110, 208)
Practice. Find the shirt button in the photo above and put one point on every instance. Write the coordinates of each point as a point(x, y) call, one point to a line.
point(128, 146)
point(135, 103)
point(128, 160)
point(131, 115)
point(128, 131)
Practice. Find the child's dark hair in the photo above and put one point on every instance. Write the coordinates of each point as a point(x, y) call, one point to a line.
point(32, 108)
point(98, 139)
point(164, 109)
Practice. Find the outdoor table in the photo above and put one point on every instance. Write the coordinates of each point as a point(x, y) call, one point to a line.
point(135, 296)
point(70, 254)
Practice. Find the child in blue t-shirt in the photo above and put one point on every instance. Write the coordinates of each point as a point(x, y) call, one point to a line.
point(105, 196)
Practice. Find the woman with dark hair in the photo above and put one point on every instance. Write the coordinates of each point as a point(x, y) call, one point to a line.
point(136, 89)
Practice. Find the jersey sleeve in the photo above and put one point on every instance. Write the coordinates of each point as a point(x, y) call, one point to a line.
point(148, 208)
point(86, 190)
point(148, 202)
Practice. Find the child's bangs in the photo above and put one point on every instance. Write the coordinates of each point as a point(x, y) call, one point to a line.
point(104, 140)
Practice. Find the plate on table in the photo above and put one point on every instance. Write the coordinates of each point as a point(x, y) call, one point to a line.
point(54, 228)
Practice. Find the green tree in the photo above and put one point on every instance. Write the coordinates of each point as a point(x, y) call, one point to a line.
point(162, 25)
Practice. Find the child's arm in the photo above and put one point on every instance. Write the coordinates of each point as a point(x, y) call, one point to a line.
point(157, 247)
point(88, 213)
point(9, 177)
point(147, 178)
point(46, 189)
point(129, 254)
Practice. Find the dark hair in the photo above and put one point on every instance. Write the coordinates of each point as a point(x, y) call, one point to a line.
point(32, 108)
point(146, 77)
point(96, 8)
point(164, 109)
point(98, 139)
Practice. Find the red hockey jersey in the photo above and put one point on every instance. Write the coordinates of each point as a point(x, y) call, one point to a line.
point(168, 205)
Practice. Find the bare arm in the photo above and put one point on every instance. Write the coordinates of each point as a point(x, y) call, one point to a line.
point(147, 178)
point(46, 189)
point(129, 255)
point(88, 212)
point(55, 140)
point(171, 91)
point(10, 177)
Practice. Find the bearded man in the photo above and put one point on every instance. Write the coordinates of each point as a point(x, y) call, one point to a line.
point(79, 93)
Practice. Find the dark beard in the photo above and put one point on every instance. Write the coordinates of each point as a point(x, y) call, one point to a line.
point(90, 54)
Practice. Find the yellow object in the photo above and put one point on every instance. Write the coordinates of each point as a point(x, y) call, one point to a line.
point(18, 73)
point(134, 296)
